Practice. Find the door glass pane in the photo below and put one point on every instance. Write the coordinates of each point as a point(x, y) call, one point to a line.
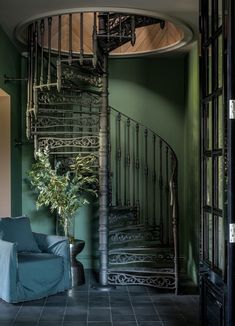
point(220, 61)
point(220, 182)
point(210, 237)
point(208, 181)
point(210, 17)
point(220, 122)
point(208, 138)
point(220, 243)
point(209, 71)
point(220, 7)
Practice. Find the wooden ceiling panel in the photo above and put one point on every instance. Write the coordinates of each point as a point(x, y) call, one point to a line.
point(148, 39)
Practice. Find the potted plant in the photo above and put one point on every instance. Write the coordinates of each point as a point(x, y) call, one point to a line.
point(63, 192)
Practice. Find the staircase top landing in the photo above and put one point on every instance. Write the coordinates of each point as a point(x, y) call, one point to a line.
point(153, 33)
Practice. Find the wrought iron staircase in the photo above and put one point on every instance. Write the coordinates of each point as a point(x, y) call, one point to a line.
point(68, 112)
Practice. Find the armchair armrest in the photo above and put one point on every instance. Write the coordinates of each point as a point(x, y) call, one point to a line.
point(58, 246)
point(8, 270)
point(47, 243)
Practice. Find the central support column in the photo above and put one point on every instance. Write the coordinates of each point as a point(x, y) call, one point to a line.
point(103, 183)
point(103, 179)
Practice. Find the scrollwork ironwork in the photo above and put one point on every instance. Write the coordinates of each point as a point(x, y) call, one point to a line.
point(124, 258)
point(84, 99)
point(52, 121)
point(142, 235)
point(166, 281)
point(71, 73)
point(81, 142)
point(121, 220)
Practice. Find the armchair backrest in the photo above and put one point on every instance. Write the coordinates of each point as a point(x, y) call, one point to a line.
point(18, 230)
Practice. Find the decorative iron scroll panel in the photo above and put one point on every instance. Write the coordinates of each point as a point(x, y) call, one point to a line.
point(156, 280)
point(67, 122)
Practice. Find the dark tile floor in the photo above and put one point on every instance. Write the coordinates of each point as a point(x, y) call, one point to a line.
point(124, 306)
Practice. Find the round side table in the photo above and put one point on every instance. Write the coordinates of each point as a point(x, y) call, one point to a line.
point(77, 270)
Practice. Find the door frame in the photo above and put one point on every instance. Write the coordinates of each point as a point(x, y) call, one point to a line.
point(230, 104)
point(222, 289)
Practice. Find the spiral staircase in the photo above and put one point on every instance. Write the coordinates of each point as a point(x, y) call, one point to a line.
point(68, 112)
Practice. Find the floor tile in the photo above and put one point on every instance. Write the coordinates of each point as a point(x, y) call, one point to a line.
point(121, 317)
point(122, 310)
point(75, 317)
point(85, 306)
point(24, 323)
point(99, 324)
point(103, 314)
point(6, 317)
point(150, 323)
point(149, 317)
point(125, 323)
point(172, 318)
point(75, 323)
point(146, 310)
point(49, 323)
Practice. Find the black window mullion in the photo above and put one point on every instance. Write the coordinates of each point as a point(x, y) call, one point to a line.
point(216, 259)
point(215, 16)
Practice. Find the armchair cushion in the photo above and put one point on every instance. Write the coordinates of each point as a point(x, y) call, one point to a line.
point(18, 230)
point(32, 266)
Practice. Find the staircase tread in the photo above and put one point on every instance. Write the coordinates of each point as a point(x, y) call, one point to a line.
point(141, 270)
point(141, 249)
point(142, 245)
point(129, 208)
point(132, 228)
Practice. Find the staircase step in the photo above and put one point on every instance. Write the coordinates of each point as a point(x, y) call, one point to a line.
point(130, 228)
point(134, 234)
point(140, 257)
point(159, 278)
point(122, 216)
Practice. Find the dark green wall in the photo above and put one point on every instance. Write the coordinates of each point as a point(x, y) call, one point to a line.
point(151, 90)
point(191, 162)
point(10, 63)
point(163, 94)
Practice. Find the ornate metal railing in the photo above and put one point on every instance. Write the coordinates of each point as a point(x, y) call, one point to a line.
point(143, 177)
point(143, 174)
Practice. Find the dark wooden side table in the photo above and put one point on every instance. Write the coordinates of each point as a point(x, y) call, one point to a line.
point(77, 270)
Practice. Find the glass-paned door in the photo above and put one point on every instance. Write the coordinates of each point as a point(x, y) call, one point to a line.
point(213, 148)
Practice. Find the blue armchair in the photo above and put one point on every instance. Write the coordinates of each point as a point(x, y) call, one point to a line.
point(32, 265)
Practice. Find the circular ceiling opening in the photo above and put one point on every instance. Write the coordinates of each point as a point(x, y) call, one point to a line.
point(153, 34)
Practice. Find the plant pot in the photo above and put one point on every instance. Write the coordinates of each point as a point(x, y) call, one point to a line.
point(77, 270)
